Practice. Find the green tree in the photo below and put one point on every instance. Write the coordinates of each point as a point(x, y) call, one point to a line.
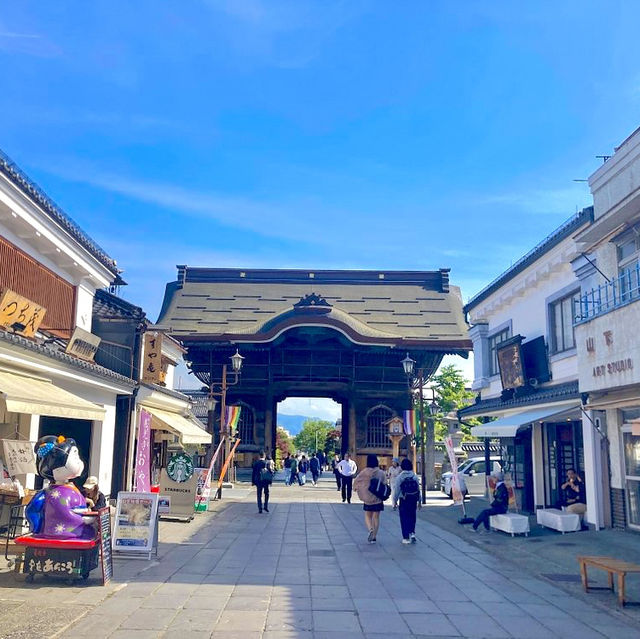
point(450, 387)
point(313, 435)
point(333, 441)
point(284, 445)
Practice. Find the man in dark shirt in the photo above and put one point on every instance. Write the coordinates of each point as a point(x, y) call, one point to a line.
point(573, 496)
point(314, 467)
point(261, 478)
point(499, 505)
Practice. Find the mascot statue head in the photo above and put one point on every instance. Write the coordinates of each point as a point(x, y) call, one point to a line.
point(58, 459)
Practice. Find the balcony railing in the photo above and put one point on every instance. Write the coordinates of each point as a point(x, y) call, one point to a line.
point(607, 297)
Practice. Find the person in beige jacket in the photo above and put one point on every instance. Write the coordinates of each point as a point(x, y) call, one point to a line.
point(372, 505)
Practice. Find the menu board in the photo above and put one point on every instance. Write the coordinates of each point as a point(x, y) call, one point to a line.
point(135, 524)
point(104, 530)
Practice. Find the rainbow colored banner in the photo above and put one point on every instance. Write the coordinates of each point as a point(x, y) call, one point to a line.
point(232, 418)
point(410, 422)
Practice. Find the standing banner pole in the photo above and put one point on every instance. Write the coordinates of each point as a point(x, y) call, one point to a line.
point(223, 472)
point(210, 470)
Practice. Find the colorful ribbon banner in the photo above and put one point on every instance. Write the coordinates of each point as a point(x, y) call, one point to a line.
point(232, 418)
point(410, 422)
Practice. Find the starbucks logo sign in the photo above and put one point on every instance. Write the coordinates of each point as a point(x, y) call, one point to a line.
point(180, 468)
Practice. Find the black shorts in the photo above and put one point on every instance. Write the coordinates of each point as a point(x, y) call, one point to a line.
point(373, 508)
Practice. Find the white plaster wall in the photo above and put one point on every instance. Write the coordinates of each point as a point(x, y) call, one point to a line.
point(84, 305)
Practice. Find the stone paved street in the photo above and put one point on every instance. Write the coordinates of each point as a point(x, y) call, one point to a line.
point(306, 571)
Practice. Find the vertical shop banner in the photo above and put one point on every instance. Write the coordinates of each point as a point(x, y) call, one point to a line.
point(142, 482)
point(456, 491)
point(203, 492)
point(410, 422)
point(152, 371)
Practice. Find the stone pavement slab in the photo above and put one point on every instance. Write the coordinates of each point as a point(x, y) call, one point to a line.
point(305, 570)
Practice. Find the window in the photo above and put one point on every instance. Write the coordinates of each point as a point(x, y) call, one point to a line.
point(245, 424)
point(377, 427)
point(628, 266)
point(563, 312)
point(494, 340)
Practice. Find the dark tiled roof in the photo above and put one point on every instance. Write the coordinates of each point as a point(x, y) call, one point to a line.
point(107, 304)
point(61, 356)
point(374, 306)
point(545, 394)
point(562, 232)
point(9, 169)
point(166, 391)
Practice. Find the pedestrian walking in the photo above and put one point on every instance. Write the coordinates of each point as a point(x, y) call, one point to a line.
point(394, 470)
point(405, 492)
point(347, 469)
point(314, 467)
point(262, 477)
point(371, 486)
point(293, 463)
point(322, 460)
point(303, 467)
point(336, 471)
point(286, 465)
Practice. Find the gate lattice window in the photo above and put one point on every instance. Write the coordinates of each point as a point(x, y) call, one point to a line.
point(377, 428)
point(246, 424)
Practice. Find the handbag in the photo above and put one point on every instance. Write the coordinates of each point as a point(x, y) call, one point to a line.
point(379, 489)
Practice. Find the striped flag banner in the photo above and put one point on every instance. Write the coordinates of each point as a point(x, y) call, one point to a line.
point(410, 422)
point(232, 418)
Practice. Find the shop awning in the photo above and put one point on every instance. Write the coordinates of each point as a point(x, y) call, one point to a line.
point(187, 428)
point(509, 426)
point(37, 396)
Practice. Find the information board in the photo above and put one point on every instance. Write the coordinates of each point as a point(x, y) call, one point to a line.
point(104, 530)
point(182, 495)
point(135, 524)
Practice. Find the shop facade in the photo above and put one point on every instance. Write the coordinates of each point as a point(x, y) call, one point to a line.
point(49, 381)
point(606, 320)
point(526, 373)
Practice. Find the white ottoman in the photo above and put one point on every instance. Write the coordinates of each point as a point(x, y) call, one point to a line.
point(510, 523)
point(558, 520)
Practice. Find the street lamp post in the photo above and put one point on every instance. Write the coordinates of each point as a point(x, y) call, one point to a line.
point(236, 368)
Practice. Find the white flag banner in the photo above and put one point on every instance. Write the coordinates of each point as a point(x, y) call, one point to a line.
point(19, 458)
point(456, 491)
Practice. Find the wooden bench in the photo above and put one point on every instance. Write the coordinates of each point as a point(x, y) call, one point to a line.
point(611, 566)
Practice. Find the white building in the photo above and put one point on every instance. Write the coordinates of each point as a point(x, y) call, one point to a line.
point(48, 262)
point(607, 321)
point(526, 372)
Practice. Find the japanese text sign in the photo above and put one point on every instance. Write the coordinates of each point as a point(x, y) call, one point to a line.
point(143, 453)
point(19, 457)
point(15, 309)
point(152, 372)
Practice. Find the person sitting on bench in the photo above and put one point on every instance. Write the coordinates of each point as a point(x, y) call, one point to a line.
point(499, 505)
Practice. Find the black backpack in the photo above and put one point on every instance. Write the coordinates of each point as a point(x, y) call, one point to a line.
point(379, 489)
point(266, 473)
point(409, 488)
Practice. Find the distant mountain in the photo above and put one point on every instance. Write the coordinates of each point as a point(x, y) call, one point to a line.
point(293, 423)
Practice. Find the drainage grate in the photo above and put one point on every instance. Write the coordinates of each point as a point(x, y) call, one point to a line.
point(560, 576)
point(321, 553)
point(565, 543)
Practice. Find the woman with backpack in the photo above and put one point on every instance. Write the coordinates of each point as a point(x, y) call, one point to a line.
point(406, 491)
point(262, 477)
point(372, 488)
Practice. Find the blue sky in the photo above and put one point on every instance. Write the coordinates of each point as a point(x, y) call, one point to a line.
point(355, 134)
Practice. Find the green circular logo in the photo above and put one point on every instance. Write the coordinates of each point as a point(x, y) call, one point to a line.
point(180, 468)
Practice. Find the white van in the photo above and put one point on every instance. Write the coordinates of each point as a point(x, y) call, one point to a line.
point(474, 475)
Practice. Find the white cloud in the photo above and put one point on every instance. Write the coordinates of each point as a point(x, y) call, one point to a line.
point(320, 407)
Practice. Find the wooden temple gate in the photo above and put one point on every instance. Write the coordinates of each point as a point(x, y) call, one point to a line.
point(336, 334)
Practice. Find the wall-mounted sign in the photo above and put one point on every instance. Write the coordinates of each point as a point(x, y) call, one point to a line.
point(19, 313)
point(180, 468)
point(83, 344)
point(511, 365)
point(152, 372)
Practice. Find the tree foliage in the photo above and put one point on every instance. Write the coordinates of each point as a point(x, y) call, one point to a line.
point(306, 439)
point(284, 444)
point(451, 394)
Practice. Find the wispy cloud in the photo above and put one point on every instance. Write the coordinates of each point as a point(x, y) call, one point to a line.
point(33, 44)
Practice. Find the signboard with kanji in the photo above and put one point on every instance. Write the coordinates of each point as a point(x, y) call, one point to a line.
point(152, 372)
point(83, 344)
point(20, 313)
point(19, 457)
point(143, 453)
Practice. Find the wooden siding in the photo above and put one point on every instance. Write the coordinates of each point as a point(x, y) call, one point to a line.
point(24, 275)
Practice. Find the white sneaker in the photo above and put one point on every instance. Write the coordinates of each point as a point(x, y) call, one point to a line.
point(406, 541)
point(370, 538)
point(412, 538)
